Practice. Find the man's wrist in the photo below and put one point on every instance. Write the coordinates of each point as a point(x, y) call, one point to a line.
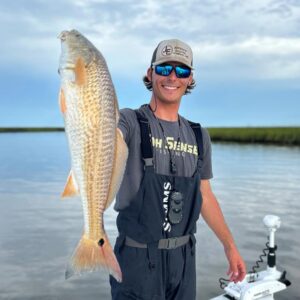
point(229, 245)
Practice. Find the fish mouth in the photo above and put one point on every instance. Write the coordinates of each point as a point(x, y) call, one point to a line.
point(63, 35)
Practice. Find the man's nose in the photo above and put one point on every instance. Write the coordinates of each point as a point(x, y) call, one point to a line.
point(172, 75)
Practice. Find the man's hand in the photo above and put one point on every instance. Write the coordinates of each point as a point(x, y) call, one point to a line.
point(237, 268)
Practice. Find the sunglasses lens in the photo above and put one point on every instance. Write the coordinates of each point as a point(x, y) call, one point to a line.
point(182, 72)
point(163, 70)
point(166, 70)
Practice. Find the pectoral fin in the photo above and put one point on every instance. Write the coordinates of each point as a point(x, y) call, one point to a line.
point(80, 72)
point(71, 188)
point(121, 154)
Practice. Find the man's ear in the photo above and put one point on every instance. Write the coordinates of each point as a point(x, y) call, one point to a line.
point(149, 74)
point(190, 79)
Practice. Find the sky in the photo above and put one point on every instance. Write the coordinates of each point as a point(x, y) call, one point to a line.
point(246, 56)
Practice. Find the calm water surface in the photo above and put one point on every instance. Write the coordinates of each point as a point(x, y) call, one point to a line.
point(38, 231)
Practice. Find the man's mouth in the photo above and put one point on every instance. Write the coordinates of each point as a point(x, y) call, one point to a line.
point(168, 87)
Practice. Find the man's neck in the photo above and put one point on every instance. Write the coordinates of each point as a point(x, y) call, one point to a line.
point(165, 111)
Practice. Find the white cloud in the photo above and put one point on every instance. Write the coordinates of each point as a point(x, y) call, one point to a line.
point(257, 38)
point(254, 57)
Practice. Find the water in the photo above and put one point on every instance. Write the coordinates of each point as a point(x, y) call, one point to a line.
point(38, 231)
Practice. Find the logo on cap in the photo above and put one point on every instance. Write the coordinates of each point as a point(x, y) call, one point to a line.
point(168, 50)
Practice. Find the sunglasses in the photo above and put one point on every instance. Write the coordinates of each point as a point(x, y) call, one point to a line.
point(166, 70)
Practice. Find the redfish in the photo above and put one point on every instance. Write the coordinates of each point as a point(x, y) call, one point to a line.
point(98, 152)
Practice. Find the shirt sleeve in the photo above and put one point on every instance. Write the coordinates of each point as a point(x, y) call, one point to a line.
point(206, 166)
point(125, 123)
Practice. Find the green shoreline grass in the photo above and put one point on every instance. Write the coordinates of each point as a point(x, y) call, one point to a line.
point(30, 129)
point(262, 135)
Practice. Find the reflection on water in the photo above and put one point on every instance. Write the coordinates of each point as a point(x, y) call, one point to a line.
point(38, 231)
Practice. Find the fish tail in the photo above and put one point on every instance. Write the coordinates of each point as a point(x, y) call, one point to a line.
point(91, 255)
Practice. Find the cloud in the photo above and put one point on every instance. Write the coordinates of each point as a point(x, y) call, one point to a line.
point(235, 38)
point(259, 57)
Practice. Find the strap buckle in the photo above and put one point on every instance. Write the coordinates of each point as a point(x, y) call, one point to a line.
point(148, 162)
point(172, 243)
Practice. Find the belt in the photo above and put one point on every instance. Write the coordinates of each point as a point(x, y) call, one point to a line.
point(170, 243)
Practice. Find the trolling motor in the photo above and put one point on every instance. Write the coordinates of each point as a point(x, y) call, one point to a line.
point(264, 284)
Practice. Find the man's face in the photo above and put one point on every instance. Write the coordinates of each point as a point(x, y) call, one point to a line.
point(169, 88)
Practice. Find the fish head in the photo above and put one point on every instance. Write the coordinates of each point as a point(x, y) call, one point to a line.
point(74, 46)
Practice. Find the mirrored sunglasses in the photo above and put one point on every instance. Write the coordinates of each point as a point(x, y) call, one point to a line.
point(166, 70)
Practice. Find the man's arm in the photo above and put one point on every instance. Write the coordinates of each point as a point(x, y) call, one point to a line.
point(213, 216)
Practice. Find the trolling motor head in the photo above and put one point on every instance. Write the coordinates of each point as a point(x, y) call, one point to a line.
point(272, 222)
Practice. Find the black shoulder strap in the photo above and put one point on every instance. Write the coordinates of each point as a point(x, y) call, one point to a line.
point(146, 139)
point(198, 134)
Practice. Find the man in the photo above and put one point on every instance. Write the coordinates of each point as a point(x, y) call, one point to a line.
point(165, 185)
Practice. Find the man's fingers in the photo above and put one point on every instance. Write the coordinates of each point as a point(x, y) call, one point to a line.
point(233, 270)
point(237, 268)
point(232, 273)
point(229, 271)
point(242, 272)
point(236, 273)
point(234, 277)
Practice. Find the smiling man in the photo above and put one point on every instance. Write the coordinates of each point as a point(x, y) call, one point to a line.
point(165, 188)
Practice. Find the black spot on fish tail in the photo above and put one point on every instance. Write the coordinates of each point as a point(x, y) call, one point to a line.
point(101, 242)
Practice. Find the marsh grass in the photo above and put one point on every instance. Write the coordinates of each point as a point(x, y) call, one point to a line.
point(30, 129)
point(263, 135)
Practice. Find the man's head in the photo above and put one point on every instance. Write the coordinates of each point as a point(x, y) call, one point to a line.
point(169, 53)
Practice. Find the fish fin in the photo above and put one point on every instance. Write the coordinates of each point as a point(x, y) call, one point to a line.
point(121, 154)
point(71, 188)
point(80, 71)
point(62, 101)
point(92, 255)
